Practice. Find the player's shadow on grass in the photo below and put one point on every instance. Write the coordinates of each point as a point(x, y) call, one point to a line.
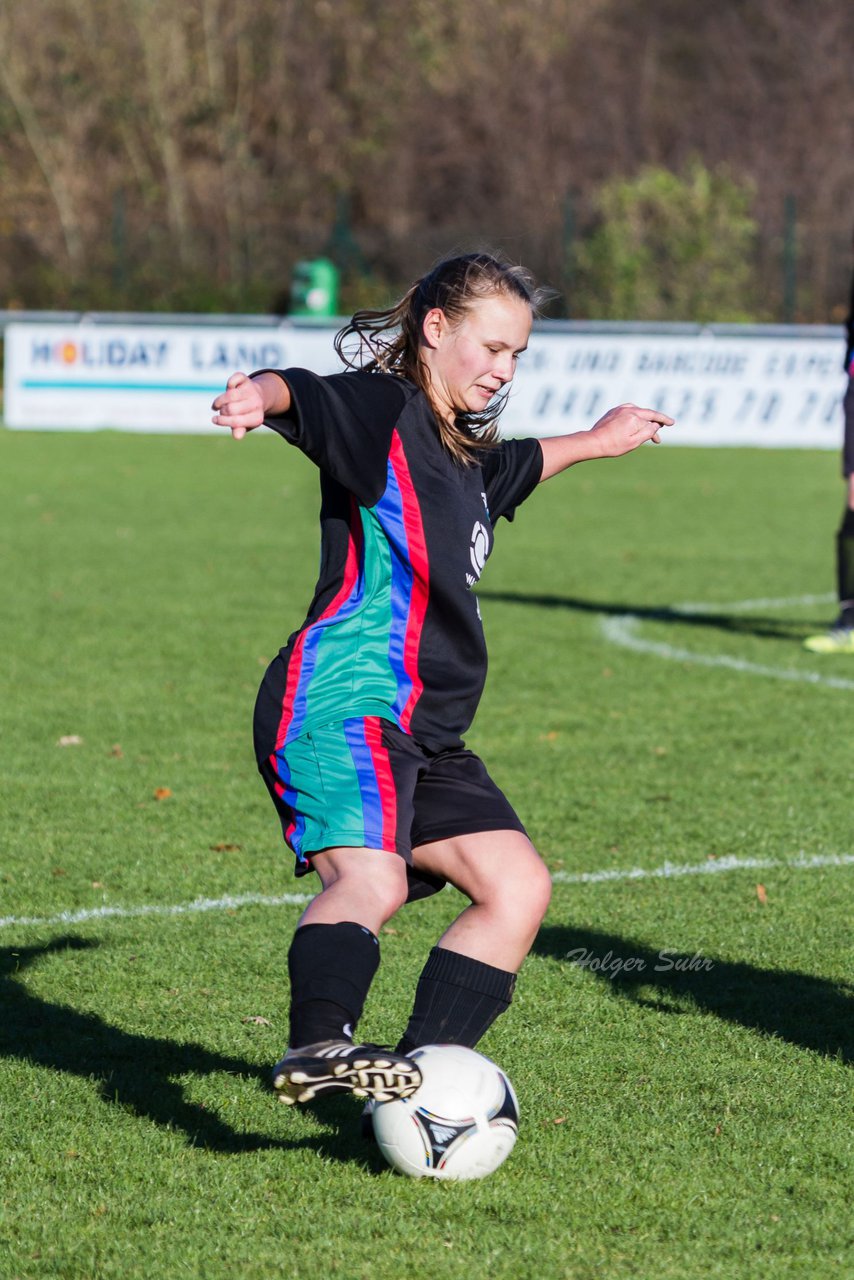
point(812, 1013)
point(733, 624)
point(141, 1073)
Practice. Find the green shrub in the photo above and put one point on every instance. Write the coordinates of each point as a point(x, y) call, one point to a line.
point(669, 247)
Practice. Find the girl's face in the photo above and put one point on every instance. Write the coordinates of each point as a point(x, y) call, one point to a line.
point(471, 360)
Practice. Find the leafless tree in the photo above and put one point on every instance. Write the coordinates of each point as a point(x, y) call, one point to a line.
point(159, 154)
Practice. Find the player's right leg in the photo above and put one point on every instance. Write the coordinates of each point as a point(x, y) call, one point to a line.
point(332, 960)
point(342, 797)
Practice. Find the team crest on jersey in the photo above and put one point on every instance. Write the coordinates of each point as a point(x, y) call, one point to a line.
point(478, 551)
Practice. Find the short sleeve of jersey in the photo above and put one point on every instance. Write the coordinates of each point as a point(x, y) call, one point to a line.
point(510, 474)
point(344, 423)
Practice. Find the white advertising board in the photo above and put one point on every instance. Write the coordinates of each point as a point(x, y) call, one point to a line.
point(778, 392)
point(141, 377)
point(723, 390)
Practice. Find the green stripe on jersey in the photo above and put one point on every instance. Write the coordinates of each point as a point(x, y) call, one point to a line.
point(352, 669)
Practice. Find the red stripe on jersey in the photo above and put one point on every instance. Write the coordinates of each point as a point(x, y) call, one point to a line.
point(385, 779)
point(418, 559)
point(348, 581)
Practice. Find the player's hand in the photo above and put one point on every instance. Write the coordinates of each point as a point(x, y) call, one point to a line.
point(240, 407)
point(626, 427)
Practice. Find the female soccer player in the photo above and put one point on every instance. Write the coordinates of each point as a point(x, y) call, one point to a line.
point(359, 718)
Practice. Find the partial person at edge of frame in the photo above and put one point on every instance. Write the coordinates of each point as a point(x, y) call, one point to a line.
point(840, 637)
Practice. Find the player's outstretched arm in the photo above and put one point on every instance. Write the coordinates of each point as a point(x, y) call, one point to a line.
point(246, 402)
point(618, 431)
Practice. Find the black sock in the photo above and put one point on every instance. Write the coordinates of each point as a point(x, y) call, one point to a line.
point(845, 563)
point(331, 967)
point(457, 1000)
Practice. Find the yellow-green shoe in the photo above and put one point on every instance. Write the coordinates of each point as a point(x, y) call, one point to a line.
point(837, 640)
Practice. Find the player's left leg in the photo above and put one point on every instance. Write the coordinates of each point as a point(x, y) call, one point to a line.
point(840, 637)
point(470, 974)
point(509, 887)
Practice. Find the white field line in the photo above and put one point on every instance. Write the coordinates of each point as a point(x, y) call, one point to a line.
point(157, 909)
point(753, 606)
point(669, 871)
point(672, 870)
point(622, 630)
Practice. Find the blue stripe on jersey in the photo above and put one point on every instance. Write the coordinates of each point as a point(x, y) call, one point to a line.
point(389, 511)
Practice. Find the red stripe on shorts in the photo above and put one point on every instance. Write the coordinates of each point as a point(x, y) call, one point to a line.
point(385, 779)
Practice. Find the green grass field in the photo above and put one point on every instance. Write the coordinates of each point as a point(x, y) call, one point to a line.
point(681, 1120)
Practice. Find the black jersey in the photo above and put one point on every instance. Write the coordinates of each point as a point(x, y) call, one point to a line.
point(394, 628)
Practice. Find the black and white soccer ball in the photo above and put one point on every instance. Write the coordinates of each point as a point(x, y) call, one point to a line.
point(460, 1123)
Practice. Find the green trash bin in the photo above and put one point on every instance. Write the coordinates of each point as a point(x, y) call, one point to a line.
point(314, 288)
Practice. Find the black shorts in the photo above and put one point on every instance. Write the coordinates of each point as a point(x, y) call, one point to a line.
point(848, 444)
point(364, 783)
